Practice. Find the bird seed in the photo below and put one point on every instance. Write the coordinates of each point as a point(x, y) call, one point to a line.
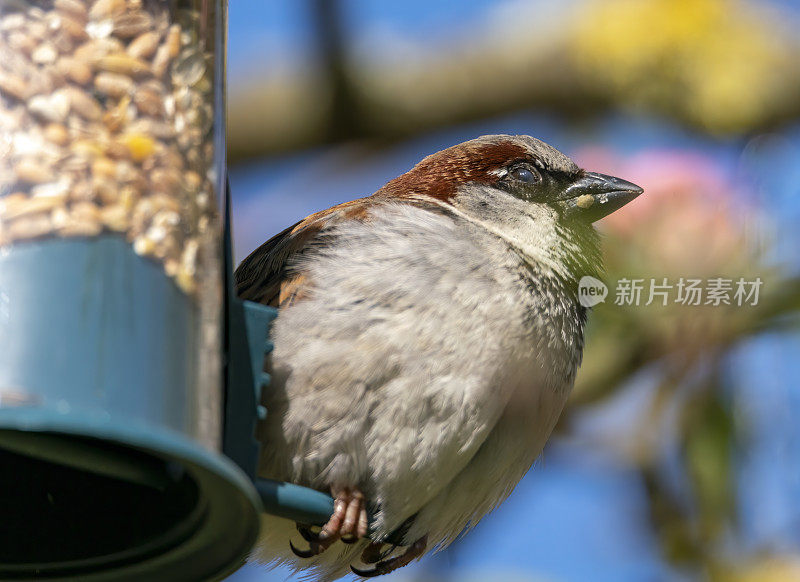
point(106, 114)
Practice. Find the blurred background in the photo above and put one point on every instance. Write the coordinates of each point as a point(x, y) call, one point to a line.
point(677, 458)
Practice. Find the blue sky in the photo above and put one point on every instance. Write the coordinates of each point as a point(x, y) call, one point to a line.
point(266, 33)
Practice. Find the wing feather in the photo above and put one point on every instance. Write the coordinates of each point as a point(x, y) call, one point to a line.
point(268, 276)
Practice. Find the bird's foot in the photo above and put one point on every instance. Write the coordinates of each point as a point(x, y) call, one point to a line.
point(372, 555)
point(348, 523)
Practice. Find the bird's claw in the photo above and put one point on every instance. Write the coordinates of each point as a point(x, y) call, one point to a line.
point(382, 567)
point(316, 542)
point(313, 550)
point(374, 552)
point(307, 534)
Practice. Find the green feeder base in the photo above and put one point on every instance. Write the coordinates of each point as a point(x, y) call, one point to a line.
point(100, 498)
point(102, 478)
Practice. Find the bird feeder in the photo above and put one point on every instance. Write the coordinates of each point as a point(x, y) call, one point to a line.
point(129, 374)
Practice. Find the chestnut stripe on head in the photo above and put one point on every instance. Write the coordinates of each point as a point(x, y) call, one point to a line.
point(440, 174)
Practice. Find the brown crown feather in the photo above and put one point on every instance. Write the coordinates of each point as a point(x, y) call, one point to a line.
point(439, 175)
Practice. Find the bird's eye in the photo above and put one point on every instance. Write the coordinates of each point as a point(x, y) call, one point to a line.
point(525, 174)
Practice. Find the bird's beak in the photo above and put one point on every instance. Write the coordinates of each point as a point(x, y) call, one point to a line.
point(594, 196)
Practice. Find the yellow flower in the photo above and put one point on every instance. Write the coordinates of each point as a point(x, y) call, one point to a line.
point(719, 64)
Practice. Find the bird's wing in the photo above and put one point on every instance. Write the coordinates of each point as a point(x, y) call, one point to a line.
point(269, 274)
point(266, 276)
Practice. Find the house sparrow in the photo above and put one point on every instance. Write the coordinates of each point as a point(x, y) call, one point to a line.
point(426, 341)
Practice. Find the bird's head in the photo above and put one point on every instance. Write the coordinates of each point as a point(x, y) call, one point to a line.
point(523, 190)
point(520, 167)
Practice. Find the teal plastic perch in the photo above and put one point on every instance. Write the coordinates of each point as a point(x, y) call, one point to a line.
point(294, 502)
point(247, 333)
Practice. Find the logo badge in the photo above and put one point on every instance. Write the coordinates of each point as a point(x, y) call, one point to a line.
point(591, 291)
